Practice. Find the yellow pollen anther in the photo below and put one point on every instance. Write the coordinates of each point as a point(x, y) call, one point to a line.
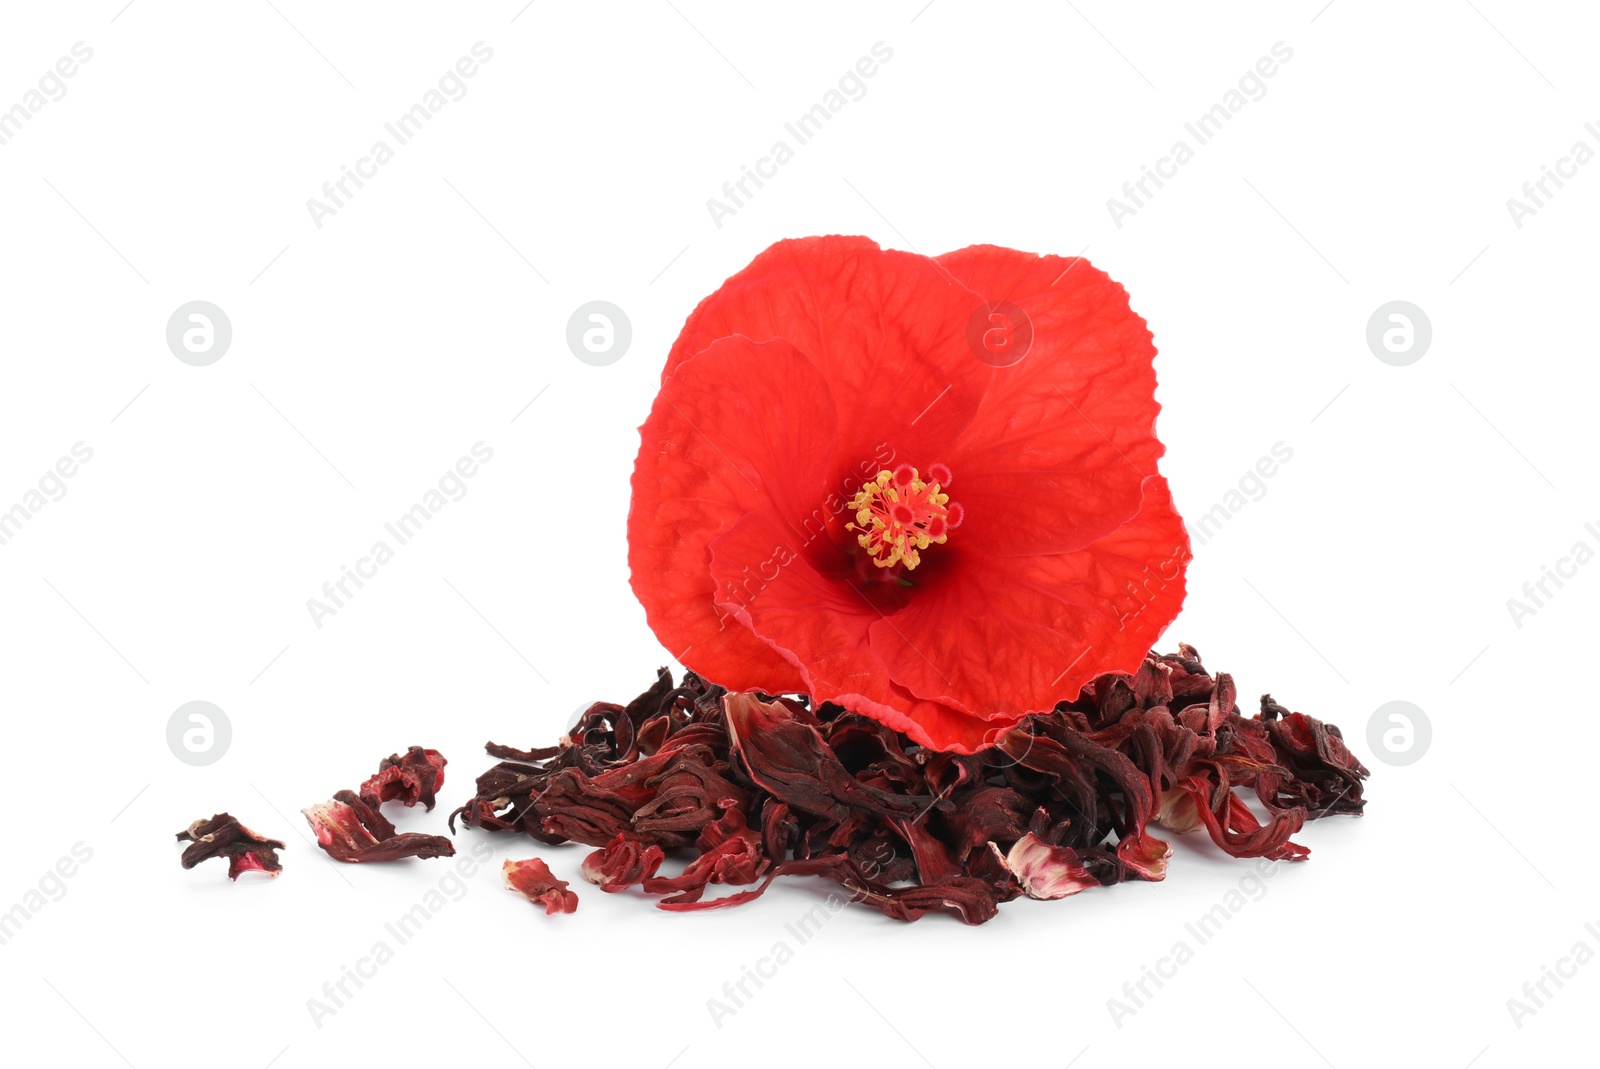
point(898, 515)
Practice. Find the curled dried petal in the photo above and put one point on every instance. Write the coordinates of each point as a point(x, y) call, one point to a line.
point(1179, 811)
point(414, 778)
point(1046, 871)
point(622, 863)
point(532, 880)
point(351, 831)
point(1145, 855)
point(224, 836)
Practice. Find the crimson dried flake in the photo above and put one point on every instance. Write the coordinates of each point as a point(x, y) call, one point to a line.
point(224, 836)
point(1045, 871)
point(621, 863)
point(350, 830)
point(532, 880)
point(414, 778)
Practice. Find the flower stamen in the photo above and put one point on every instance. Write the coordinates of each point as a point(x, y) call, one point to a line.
point(898, 515)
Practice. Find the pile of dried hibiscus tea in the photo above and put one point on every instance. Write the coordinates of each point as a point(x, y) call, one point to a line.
point(753, 788)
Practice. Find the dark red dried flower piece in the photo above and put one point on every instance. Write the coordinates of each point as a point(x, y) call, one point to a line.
point(532, 880)
point(352, 831)
point(762, 788)
point(730, 852)
point(509, 753)
point(1145, 855)
point(788, 757)
point(1045, 871)
point(621, 863)
point(224, 836)
point(414, 778)
point(1325, 776)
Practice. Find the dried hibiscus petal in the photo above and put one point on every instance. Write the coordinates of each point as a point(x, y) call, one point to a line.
point(1146, 855)
point(224, 836)
point(414, 778)
point(757, 788)
point(621, 863)
point(1179, 811)
point(730, 852)
point(533, 880)
point(789, 758)
point(1046, 871)
point(352, 831)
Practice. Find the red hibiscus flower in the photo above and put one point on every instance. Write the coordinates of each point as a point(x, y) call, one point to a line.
point(922, 489)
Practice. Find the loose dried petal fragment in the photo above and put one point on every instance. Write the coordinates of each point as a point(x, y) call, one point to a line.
point(1046, 871)
point(414, 778)
point(1326, 776)
point(224, 836)
point(532, 880)
point(352, 831)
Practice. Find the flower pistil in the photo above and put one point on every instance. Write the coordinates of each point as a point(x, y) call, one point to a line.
point(899, 514)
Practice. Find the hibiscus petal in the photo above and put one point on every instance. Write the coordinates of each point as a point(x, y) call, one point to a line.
point(743, 425)
point(1056, 453)
point(821, 625)
point(886, 328)
point(817, 623)
point(1061, 619)
point(930, 723)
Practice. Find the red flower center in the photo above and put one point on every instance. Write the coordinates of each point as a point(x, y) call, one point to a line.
point(899, 514)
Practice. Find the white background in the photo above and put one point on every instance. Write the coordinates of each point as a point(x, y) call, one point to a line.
point(426, 315)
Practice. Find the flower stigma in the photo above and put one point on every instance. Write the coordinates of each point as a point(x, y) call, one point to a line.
point(899, 514)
